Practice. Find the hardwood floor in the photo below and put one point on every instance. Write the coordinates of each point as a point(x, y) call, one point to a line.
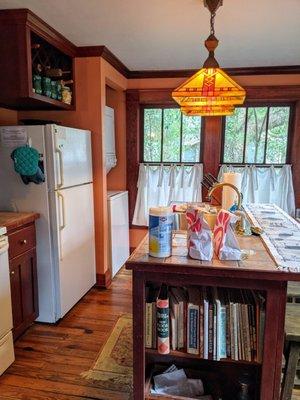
point(50, 358)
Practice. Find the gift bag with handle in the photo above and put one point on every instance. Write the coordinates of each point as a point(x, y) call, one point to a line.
point(225, 242)
point(199, 236)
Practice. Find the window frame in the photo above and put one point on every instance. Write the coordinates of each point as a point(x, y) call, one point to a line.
point(247, 105)
point(167, 106)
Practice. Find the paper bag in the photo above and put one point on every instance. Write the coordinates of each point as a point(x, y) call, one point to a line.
point(225, 242)
point(199, 236)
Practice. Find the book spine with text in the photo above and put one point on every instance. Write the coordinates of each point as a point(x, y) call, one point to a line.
point(163, 329)
point(210, 331)
point(193, 329)
point(149, 325)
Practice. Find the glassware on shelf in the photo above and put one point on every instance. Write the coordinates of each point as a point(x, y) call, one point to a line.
point(37, 84)
point(46, 86)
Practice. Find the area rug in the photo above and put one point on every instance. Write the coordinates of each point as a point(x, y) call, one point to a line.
point(114, 363)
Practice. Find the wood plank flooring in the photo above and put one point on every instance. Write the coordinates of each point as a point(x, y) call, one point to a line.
point(50, 358)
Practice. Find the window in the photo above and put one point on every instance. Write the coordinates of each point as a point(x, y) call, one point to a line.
point(169, 136)
point(257, 135)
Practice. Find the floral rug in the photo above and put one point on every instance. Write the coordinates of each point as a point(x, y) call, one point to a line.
point(114, 363)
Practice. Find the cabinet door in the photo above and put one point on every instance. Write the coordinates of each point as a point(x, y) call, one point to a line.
point(23, 281)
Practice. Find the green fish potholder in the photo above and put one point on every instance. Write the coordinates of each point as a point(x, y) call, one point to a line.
point(26, 160)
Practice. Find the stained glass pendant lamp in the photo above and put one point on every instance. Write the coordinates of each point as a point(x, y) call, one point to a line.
point(210, 91)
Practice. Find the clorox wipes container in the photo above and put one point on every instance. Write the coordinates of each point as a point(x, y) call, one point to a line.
point(160, 231)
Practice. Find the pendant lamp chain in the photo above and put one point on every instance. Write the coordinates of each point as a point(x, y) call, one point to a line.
point(212, 22)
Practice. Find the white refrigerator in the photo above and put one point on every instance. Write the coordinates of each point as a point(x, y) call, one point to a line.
point(65, 229)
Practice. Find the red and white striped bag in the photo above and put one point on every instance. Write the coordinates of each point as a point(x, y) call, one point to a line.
point(199, 236)
point(225, 242)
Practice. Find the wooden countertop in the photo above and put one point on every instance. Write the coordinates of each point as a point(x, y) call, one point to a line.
point(260, 265)
point(13, 220)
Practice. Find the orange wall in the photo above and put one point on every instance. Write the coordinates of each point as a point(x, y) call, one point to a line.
point(116, 178)
point(8, 117)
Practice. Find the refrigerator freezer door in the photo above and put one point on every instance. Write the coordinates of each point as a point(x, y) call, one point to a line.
point(75, 244)
point(119, 230)
point(71, 156)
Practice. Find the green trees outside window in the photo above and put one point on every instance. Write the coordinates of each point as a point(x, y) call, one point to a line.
point(170, 137)
point(257, 135)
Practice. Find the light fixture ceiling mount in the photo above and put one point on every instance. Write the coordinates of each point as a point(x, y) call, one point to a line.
point(210, 91)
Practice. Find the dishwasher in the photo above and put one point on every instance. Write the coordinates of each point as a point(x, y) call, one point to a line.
point(7, 356)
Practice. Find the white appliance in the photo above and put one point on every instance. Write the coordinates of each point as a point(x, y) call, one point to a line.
point(118, 222)
point(109, 139)
point(7, 355)
point(65, 229)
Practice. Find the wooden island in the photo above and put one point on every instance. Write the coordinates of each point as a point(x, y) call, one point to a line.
point(258, 272)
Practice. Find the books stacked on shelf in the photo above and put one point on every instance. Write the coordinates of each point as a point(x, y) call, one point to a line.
point(209, 322)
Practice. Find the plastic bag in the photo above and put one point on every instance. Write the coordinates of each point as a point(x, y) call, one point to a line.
point(225, 242)
point(199, 236)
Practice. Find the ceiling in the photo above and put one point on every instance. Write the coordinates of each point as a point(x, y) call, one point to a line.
point(169, 34)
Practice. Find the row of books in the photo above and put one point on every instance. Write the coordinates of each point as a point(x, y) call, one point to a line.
point(214, 323)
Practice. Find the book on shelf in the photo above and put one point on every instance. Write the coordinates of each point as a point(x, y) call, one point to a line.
point(150, 317)
point(163, 323)
point(193, 309)
point(207, 322)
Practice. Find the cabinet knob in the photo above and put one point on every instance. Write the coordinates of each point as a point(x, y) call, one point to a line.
point(24, 241)
point(12, 272)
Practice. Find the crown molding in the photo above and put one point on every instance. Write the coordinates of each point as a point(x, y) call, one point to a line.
point(241, 71)
point(104, 52)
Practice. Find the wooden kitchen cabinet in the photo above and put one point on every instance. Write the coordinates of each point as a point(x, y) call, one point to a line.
point(26, 40)
point(23, 268)
point(24, 296)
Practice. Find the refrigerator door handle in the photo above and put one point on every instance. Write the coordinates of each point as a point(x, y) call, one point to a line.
point(63, 224)
point(61, 168)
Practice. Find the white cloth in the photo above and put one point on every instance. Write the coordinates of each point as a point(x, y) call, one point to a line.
point(266, 185)
point(159, 185)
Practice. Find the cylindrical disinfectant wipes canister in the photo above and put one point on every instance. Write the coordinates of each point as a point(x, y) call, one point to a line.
point(160, 231)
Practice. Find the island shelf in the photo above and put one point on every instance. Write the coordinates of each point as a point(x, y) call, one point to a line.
point(257, 273)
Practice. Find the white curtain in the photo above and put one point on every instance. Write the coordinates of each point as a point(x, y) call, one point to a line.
point(161, 184)
point(266, 185)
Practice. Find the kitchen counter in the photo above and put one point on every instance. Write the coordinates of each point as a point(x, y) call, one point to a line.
point(259, 264)
point(13, 220)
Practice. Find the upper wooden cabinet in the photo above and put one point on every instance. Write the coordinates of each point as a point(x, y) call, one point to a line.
point(25, 41)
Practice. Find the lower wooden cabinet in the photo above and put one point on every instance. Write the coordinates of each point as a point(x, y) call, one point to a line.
point(24, 290)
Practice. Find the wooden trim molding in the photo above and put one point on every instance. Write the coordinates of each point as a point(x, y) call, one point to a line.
point(132, 146)
point(240, 71)
point(104, 280)
point(104, 52)
point(294, 153)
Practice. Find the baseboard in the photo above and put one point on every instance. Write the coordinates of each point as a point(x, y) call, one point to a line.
point(103, 280)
